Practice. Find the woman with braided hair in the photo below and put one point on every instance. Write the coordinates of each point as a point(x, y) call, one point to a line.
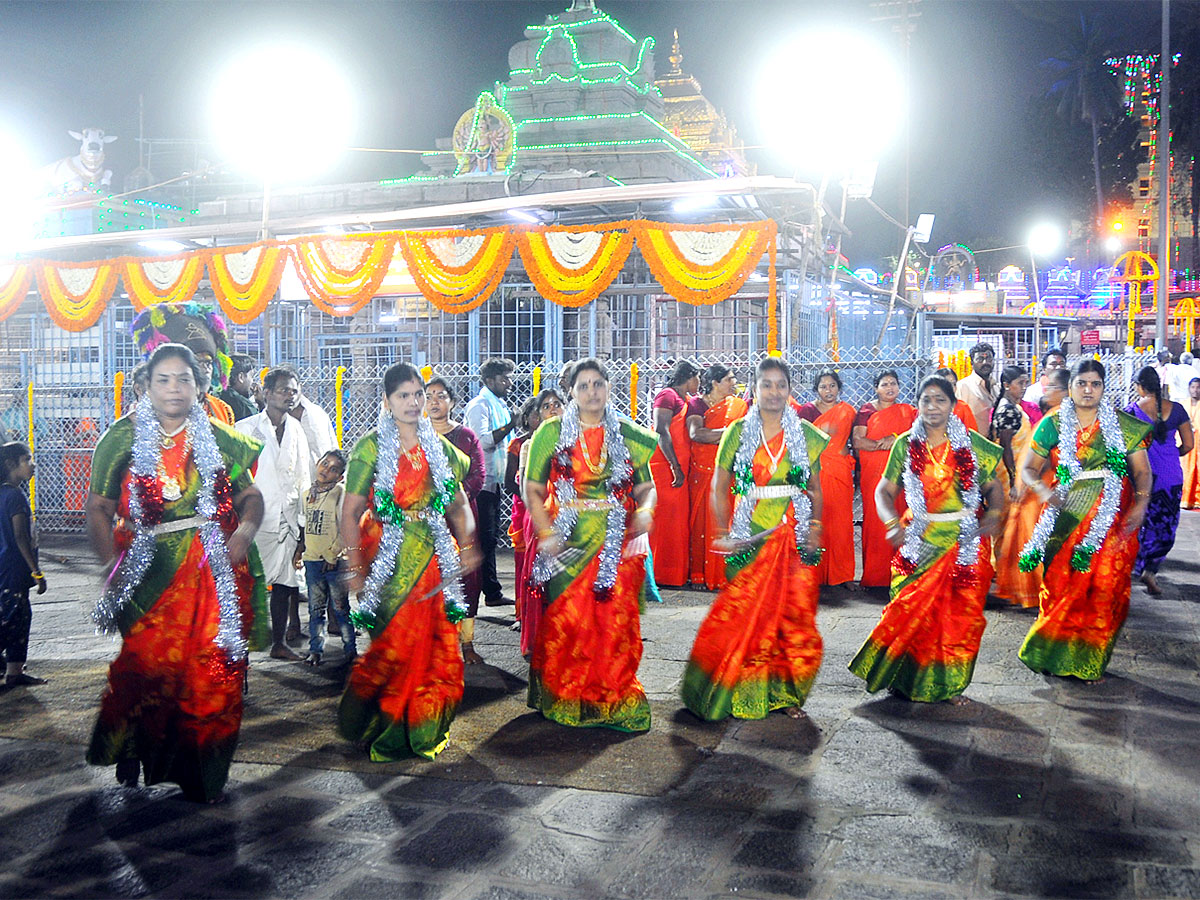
point(758, 649)
point(1086, 537)
point(927, 639)
point(590, 571)
point(1157, 535)
point(403, 692)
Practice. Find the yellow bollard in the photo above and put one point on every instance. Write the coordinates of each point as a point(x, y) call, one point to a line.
point(633, 381)
point(338, 404)
point(537, 380)
point(32, 448)
point(118, 388)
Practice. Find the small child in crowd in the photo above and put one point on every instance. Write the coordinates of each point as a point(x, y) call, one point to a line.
point(19, 569)
point(322, 557)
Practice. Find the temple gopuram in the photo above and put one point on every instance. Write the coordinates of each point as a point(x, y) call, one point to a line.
point(693, 119)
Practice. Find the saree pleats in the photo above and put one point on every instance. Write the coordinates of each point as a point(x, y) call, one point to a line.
point(1081, 613)
point(758, 650)
point(669, 541)
point(1019, 588)
point(170, 701)
point(403, 692)
point(928, 636)
point(587, 652)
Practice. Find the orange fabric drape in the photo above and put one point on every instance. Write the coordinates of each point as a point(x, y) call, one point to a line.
point(706, 567)
point(965, 415)
point(1191, 462)
point(837, 496)
point(15, 279)
point(669, 536)
point(876, 551)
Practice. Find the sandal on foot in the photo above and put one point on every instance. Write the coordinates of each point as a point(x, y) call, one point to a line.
point(24, 678)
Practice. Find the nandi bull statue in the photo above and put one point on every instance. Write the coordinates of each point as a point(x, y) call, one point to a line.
point(84, 171)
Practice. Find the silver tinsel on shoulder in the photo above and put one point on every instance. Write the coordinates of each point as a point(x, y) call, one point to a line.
point(914, 495)
point(563, 487)
point(1110, 493)
point(133, 565)
point(743, 461)
point(387, 557)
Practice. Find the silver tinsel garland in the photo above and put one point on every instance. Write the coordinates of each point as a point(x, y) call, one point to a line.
point(563, 486)
point(146, 459)
point(743, 462)
point(387, 557)
point(1034, 551)
point(914, 494)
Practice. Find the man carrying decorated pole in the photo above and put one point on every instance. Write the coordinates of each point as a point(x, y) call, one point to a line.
point(181, 589)
point(283, 475)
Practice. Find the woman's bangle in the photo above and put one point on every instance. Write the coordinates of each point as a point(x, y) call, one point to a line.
point(354, 549)
point(37, 575)
point(466, 547)
point(1141, 493)
point(544, 533)
point(643, 509)
point(891, 523)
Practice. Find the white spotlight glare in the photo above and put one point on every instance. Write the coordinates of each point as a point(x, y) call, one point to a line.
point(1044, 239)
point(282, 112)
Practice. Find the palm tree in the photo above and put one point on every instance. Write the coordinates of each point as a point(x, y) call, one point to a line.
point(1086, 90)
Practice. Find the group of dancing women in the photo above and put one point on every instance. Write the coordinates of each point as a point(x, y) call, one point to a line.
point(770, 483)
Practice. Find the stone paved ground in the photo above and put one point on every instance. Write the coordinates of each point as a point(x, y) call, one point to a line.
point(1038, 788)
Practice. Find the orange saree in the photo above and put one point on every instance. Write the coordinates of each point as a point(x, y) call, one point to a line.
point(876, 551)
point(1191, 462)
point(669, 536)
point(1021, 588)
point(837, 496)
point(708, 568)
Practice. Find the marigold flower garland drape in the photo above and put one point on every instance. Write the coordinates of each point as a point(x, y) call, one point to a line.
point(455, 269)
point(15, 279)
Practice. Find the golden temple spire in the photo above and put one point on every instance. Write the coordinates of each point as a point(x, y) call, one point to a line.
point(676, 56)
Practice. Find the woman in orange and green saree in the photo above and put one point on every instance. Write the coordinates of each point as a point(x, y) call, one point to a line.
point(927, 639)
point(1086, 538)
point(402, 694)
point(835, 417)
point(184, 588)
point(709, 414)
point(590, 571)
point(875, 431)
point(758, 649)
point(1019, 586)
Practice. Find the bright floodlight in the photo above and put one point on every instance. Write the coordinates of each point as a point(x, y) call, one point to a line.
point(282, 112)
point(1044, 239)
point(829, 100)
point(1113, 245)
point(21, 207)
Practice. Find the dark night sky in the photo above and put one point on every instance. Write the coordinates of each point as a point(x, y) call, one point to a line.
point(417, 66)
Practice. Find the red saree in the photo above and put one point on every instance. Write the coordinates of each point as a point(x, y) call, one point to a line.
point(669, 537)
point(876, 551)
point(708, 568)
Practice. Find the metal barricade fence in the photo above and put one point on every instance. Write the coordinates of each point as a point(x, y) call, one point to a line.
point(68, 420)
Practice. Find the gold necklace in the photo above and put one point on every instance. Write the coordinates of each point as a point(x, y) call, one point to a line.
point(595, 467)
point(167, 439)
point(172, 487)
point(940, 469)
point(413, 455)
point(774, 457)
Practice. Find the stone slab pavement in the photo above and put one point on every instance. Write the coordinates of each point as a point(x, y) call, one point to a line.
point(1040, 788)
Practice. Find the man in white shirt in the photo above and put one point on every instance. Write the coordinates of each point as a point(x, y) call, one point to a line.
point(977, 389)
point(283, 475)
point(1051, 360)
point(1173, 377)
point(318, 429)
point(488, 416)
